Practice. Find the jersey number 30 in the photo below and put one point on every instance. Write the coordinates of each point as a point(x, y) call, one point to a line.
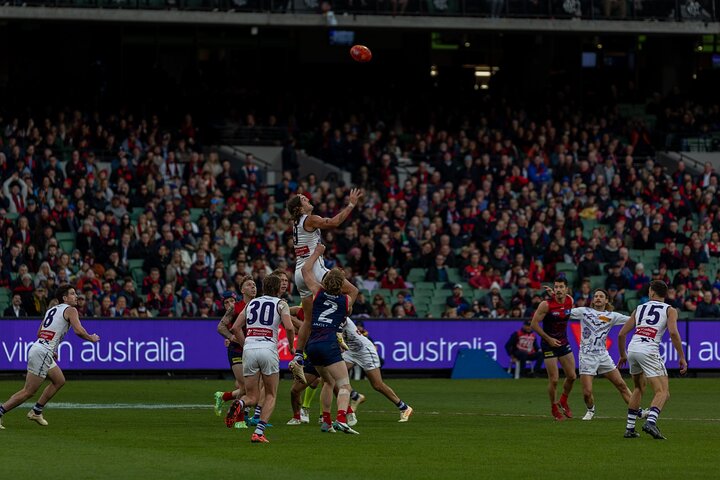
point(264, 315)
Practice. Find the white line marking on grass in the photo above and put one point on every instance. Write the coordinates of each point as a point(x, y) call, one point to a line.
point(528, 415)
point(202, 406)
point(124, 406)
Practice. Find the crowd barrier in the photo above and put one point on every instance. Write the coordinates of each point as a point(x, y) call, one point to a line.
point(404, 344)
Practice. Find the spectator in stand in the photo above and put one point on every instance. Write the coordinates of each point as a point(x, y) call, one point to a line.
point(361, 307)
point(15, 310)
point(438, 272)
point(583, 297)
point(670, 256)
point(457, 300)
point(522, 346)
point(379, 307)
point(683, 277)
point(588, 266)
point(639, 280)
point(708, 307)
point(392, 280)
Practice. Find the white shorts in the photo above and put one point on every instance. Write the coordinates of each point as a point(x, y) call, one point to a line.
point(261, 360)
point(366, 358)
point(40, 360)
point(319, 270)
point(596, 364)
point(649, 363)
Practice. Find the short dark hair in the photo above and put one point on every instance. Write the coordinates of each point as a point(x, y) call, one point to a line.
point(63, 292)
point(561, 279)
point(659, 287)
point(271, 285)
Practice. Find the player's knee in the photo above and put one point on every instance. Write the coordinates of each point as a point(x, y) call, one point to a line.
point(571, 376)
point(553, 380)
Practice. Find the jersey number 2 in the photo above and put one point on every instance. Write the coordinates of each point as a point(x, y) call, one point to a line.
point(331, 308)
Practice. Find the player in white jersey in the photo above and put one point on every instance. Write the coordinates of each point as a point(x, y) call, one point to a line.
point(263, 316)
point(595, 324)
point(43, 353)
point(643, 356)
point(362, 352)
point(307, 234)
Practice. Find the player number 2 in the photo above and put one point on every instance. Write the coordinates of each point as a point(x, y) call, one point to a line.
point(331, 308)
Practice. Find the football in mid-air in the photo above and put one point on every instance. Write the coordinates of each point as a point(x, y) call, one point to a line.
point(361, 53)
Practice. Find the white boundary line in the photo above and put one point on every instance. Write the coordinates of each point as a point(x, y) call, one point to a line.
point(204, 406)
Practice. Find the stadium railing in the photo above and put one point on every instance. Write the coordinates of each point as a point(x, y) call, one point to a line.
point(672, 10)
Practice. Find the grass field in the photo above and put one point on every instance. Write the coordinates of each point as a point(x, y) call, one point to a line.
point(461, 429)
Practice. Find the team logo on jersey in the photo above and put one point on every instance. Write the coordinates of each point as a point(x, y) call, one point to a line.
point(567, 311)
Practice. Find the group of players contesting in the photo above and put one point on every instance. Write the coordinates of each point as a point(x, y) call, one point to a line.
point(329, 344)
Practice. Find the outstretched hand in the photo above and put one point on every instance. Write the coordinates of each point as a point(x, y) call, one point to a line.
point(355, 195)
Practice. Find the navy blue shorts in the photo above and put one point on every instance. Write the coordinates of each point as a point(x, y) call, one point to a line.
point(323, 354)
point(561, 351)
point(309, 368)
point(234, 356)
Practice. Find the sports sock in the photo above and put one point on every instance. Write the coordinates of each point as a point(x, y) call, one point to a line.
point(2, 411)
point(402, 406)
point(227, 396)
point(260, 429)
point(653, 415)
point(563, 399)
point(631, 417)
point(592, 409)
point(354, 395)
point(341, 416)
point(308, 397)
point(37, 409)
point(349, 410)
point(258, 410)
point(296, 415)
point(326, 418)
point(246, 410)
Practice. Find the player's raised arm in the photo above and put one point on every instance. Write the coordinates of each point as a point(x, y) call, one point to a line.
point(316, 221)
point(538, 316)
point(622, 339)
point(307, 273)
point(675, 338)
point(74, 319)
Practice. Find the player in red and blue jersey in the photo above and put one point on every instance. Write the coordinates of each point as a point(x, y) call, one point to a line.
point(319, 338)
point(233, 307)
point(554, 315)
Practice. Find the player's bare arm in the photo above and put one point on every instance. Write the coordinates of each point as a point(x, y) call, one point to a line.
point(538, 316)
point(622, 339)
point(316, 221)
point(223, 327)
point(307, 274)
point(74, 319)
point(237, 328)
point(675, 338)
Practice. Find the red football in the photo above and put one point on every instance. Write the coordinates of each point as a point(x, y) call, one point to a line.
point(361, 53)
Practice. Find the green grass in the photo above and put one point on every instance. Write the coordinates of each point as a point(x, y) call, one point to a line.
point(461, 429)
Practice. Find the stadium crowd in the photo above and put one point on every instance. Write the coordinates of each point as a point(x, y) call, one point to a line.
point(144, 221)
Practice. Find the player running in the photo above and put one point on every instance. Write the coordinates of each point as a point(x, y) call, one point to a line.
point(643, 355)
point(362, 352)
point(43, 353)
point(306, 235)
point(233, 308)
point(554, 315)
point(320, 338)
point(595, 324)
point(261, 361)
